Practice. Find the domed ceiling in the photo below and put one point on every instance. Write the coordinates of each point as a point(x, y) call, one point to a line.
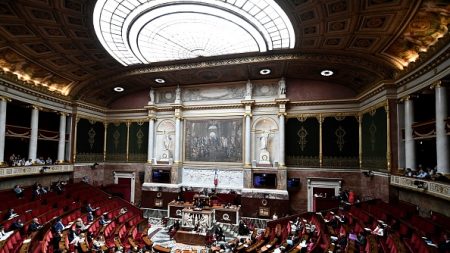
point(51, 46)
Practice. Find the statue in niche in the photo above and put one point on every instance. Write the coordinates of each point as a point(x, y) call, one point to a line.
point(178, 94)
point(282, 88)
point(151, 96)
point(264, 154)
point(167, 143)
point(264, 139)
point(167, 140)
point(248, 90)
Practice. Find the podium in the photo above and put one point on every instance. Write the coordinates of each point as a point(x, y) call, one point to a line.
point(192, 217)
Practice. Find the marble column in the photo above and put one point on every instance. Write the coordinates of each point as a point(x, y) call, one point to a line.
point(281, 161)
point(62, 137)
point(181, 140)
point(247, 153)
point(151, 140)
point(32, 150)
point(441, 132)
point(68, 147)
point(410, 150)
point(3, 104)
point(177, 140)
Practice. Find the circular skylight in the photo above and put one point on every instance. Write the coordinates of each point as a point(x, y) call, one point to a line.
point(136, 31)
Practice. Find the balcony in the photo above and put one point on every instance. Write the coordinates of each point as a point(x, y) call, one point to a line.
point(34, 170)
point(434, 188)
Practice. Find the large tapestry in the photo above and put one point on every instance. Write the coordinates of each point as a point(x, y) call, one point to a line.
point(374, 139)
point(302, 142)
point(214, 140)
point(90, 136)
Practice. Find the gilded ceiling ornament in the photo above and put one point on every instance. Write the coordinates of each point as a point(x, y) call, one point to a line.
point(302, 133)
point(91, 134)
point(340, 141)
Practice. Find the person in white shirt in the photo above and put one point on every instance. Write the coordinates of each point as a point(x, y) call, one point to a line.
point(379, 229)
point(28, 162)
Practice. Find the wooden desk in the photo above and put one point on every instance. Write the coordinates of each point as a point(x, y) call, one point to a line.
point(190, 238)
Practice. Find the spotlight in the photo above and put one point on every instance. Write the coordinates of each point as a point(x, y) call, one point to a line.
point(265, 71)
point(326, 72)
point(160, 80)
point(118, 89)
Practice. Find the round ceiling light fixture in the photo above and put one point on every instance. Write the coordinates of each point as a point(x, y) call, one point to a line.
point(118, 89)
point(326, 72)
point(265, 71)
point(160, 80)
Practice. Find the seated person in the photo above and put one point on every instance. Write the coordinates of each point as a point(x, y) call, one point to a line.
point(34, 225)
point(28, 162)
point(10, 214)
point(19, 191)
point(444, 245)
point(103, 220)
point(90, 209)
point(243, 229)
point(90, 217)
point(73, 235)
point(379, 229)
point(56, 240)
point(422, 174)
point(361, 240)
point(16, 225)
point(98, 242)
point(58, 226)
point(79, 224)
point(3, 234)
point(42, 190)
point(36, 193)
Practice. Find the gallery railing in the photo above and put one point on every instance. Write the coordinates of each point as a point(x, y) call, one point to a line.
point(34, 170)
point(435, 188)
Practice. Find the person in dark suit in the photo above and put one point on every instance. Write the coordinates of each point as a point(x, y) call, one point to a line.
point(444, 245)
point(58, 226)
point(55, 241)
point(34, 225)
point(10, 214)
point(17, 225)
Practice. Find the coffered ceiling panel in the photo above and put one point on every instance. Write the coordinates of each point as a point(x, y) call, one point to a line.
point(51, 46)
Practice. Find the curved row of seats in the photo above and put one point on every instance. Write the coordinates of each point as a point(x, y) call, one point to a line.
point(68, 206)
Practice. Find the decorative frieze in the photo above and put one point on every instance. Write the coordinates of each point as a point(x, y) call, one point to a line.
point(438, 189)
point(34, 170)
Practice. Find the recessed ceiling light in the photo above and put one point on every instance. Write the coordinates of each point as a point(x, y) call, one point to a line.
point(118, 89)
point(265, 71)
point(160, 80)
point(326, 72)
